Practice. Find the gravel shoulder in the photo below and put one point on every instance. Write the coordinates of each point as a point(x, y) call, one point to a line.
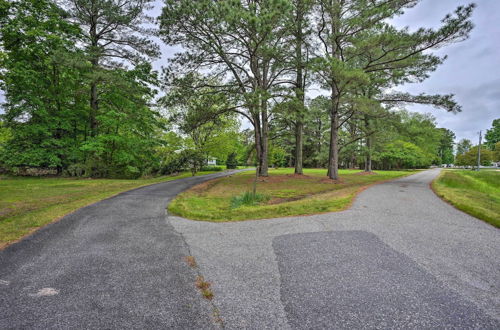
point(433, 265)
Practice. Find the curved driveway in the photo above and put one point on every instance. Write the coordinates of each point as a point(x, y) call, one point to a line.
point(399, 258)
point(116, 264)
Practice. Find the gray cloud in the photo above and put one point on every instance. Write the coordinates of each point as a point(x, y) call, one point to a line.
point(471, 71)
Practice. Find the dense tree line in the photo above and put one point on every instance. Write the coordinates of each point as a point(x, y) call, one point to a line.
point(467, 154)
point(82, 97)
point(265, 54)
point(70, 105)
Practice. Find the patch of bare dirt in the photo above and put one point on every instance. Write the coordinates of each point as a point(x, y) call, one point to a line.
point(299, 176)
point(202, 187)
point(280, 200)
point(281, 178)
point(328, 180)
point(366, 173)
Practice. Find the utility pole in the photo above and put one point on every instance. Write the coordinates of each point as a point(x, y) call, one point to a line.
point(479, 152)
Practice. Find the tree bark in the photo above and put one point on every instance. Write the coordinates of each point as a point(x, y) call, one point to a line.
point(94, 41)
point(368, 160)
point(299, 88)
point(299, 128)
point(264, 140)
point(333, 162)
point(258, 144)
point(94, 106)
point(333, 159)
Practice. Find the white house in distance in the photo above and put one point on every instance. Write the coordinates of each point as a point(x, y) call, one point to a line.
point(211, 161)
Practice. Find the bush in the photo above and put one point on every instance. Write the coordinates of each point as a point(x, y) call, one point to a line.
point(76, 170)
point(232, 161)
point(277, 157)
point(175, 163)
point(248, 199)
point(130, 172)
point(212, 168)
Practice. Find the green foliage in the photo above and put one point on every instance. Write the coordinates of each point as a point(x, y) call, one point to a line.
point(248, 199)
point(277, 156)
point(463, 146)
point(401, 154)
point(46, 81)
point(174, 163)
point(492, 135)
point(232, 161)
point(194, 159)
point(496, 152)
point(446, 143)
point(5, 137)
point(470, 157)
point(41, 111)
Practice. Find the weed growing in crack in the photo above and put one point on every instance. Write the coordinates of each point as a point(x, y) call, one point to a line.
point(204, 287)
point(190, 261)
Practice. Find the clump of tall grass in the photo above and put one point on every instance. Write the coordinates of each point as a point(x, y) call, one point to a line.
point(248, 199)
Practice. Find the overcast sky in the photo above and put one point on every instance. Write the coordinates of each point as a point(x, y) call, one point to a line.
point(471, 72)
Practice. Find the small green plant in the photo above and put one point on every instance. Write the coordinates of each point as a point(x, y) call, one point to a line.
point(191, 261)
point(204, 287)
point(248, 199)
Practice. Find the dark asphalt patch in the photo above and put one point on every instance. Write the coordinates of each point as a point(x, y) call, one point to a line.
point(353, 280)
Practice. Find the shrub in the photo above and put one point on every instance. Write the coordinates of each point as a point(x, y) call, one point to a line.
point(212, 168)
point(76, 170)
point(248, 199)
point(175, 163)
point(232, 161)
point(130, 172)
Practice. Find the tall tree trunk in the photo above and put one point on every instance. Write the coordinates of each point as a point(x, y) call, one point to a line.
point(94, 41)
point(299, 145)
point(299, 88)
point(264, 140)
point(333, 161)
point(258, 144)
point(94, 106)
point(368, 160)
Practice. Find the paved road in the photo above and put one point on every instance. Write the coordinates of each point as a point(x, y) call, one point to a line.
point(116, 264)
point(398, 258)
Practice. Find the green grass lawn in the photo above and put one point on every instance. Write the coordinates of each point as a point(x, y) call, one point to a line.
point(27, 204)
point(476, 193)
point(287, 194)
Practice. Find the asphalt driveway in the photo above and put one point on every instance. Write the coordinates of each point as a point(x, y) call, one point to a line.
point(399, 258)
point(117, 264)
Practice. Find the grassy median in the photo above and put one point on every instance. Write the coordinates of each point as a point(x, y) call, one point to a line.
point(27, 204)
point(476, 193)
point(281, 194)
